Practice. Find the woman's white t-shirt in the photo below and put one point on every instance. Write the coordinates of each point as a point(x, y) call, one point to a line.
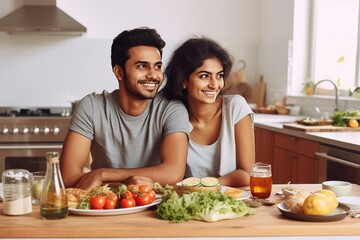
point(219, 158)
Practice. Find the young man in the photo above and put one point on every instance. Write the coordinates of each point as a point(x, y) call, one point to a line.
point(133, 135)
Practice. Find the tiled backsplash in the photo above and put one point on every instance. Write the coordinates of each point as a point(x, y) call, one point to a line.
point(308, 104)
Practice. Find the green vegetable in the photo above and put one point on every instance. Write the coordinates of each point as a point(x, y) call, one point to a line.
point(340, 118)
point(203, 206)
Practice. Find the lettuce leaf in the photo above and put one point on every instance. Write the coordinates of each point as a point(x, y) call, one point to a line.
point(203, 206)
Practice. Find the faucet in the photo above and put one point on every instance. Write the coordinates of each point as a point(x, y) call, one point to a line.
point(336, 92)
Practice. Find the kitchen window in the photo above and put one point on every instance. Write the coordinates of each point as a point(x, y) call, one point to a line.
point(325, 45)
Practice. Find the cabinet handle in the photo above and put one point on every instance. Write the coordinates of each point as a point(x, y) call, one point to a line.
point(337, 160)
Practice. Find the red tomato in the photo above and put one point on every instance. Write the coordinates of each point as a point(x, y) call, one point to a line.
point(143, 199)
point(152, 195)
point(135, 195)
point(144, 188)
point(110, 203)
point(127, 194)
point(127, 202)
point(97, 202)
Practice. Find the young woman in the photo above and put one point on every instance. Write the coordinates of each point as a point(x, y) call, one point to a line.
point(222, 134)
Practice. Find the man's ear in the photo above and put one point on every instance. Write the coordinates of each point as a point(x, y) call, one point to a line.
point(118, 72)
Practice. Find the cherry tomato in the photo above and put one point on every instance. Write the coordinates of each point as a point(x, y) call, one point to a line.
point(152, 195)
point(127, 202)
point(143, 199)
point(110, 203)
point(135, 195)
point(127, 194)
point(97, 202)
point(144, 188)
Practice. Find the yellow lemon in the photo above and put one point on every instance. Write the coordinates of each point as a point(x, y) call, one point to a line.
point(353, 123)
point(331, 196)
point(317, 204)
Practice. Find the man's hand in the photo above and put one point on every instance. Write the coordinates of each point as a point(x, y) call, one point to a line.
point(139, 180)
point(90, 180)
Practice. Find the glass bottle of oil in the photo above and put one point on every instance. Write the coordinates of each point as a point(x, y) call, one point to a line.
point(53, 204)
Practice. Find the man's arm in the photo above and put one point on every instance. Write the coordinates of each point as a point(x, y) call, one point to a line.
point(76, 154)
point(74, 157)
point(171, 170)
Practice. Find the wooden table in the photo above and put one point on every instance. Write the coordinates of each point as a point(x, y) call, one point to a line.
point(267, 221)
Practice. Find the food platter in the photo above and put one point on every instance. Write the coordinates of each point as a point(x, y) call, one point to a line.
point(245, 194)
point(108, 212)
point(337, 214)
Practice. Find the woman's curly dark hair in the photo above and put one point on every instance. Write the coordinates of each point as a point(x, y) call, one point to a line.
point(186, 59)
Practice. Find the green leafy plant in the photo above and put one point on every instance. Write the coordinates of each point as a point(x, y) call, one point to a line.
point(308, 86)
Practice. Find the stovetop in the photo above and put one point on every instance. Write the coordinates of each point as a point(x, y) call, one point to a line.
point(34, 112)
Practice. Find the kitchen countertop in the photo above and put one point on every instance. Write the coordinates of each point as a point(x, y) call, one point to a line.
point(346, 140)
point(266, 222)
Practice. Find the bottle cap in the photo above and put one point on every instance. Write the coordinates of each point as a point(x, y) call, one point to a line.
point(52, 157)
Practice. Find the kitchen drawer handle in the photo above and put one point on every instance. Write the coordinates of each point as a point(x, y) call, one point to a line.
point(337, 160)
point(35, 146)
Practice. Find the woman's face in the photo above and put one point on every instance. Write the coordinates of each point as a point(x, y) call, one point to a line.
point(206, 82)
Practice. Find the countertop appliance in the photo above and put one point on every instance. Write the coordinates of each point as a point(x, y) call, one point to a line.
point(26, 134)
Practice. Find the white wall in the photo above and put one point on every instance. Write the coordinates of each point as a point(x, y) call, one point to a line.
point(65, 68)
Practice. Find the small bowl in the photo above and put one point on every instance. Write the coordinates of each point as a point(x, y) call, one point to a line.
point(352, 202)
point(289, 190)
point(340, 188)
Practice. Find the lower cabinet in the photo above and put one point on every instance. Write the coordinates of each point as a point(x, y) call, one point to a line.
point(292, 158)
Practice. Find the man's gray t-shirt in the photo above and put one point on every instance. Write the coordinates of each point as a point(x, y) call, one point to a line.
point(123, 141)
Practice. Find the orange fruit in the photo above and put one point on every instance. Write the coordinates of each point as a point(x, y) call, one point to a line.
point(353, 123)
point(331, 196)
point(317, 204)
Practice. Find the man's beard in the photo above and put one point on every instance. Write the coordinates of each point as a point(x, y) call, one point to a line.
point(134, 90)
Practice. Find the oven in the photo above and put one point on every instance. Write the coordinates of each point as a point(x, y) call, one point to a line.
point(340, 164)
point(27, 134)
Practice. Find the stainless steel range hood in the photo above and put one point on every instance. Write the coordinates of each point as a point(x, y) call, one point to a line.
point(40, 19)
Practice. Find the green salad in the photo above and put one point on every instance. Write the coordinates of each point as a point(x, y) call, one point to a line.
point(203, 206)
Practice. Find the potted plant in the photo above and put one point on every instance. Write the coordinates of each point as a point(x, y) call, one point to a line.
point(309, 87)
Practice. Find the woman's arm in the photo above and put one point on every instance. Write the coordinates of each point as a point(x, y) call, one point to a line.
point(245, 154)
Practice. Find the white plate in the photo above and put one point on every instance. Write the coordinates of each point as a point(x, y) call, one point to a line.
point(244, 195)
point(108, 212)
point(337, 214)
point(350, 201)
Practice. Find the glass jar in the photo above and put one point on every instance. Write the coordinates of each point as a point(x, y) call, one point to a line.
point(16, 192)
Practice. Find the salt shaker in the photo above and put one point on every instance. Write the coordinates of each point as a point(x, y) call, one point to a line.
point(16, 192)
point(53, 201)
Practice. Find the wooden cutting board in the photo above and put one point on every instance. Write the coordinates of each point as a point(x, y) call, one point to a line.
point(259, 92)
point(326, 128)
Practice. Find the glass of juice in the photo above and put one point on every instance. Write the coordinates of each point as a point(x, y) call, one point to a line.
point(36, 186)
point(260, 180)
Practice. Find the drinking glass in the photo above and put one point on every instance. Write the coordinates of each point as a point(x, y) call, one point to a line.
point(260, 180)
point(36, 186)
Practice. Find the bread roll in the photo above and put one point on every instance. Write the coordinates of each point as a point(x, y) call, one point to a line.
point(233, 192)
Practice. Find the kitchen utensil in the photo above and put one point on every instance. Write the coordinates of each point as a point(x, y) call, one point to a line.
point(258, 96)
